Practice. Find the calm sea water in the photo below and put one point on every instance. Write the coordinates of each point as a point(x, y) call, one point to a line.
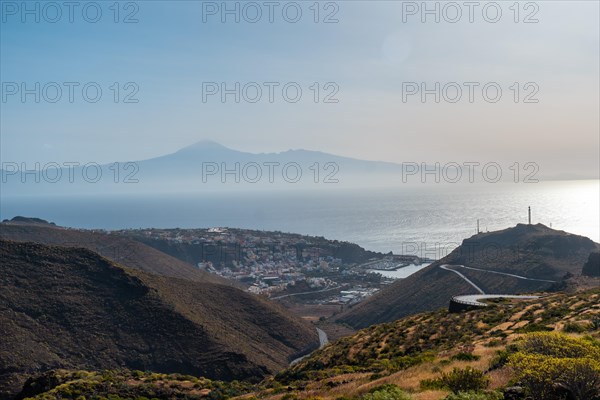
point(401, 273)
point(418, 220)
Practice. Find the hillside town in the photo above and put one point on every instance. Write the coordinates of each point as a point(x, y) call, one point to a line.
point(277, 264)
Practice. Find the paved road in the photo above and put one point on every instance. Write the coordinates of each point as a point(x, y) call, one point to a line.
point(474, 299)
point(323, 341)
point(504, 273)
point(445, 266)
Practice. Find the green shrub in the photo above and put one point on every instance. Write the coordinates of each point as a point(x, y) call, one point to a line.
point(559, 345)
point(475, 396)
point(464, 380)
point(500, 359)
point(574, 327)
point(432, 384)
point(494, 343)
point(535, 328)
point(595, 324)
point(459, 380)
point(386, 392)
point(542, 375)
point(550, 363)
point(465, 357)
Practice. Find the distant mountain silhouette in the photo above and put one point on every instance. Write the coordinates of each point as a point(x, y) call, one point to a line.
point(208, 165)
point(28, 220)
point(194, 156)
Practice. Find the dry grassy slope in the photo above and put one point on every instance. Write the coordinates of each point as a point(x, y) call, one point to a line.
point(533, 251)
point(347, 367)
point(404, 353)
point(70, 308)
point(118, 249)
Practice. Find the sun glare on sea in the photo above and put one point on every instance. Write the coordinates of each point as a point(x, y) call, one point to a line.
point(584, 196)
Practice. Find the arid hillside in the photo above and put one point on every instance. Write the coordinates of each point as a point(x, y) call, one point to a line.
point(537, 257)
point(118, 249)
point(513, 349)
point(71, 308)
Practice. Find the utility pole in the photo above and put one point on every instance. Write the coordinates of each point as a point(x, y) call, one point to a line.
point(529, 213)
point(478, 226)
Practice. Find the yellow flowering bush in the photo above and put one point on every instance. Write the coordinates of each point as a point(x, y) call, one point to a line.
point(548, 364)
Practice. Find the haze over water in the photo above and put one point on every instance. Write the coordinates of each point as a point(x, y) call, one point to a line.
point(427, 220)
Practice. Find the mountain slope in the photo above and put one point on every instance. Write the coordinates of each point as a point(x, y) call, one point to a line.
point(415, 349)
point(71, 308)
point(116, 248)
point(592, 266)
point(531, 251)
point(410, 353)
point(201, 166)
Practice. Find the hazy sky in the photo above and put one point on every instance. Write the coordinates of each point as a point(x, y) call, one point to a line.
point(374, 51)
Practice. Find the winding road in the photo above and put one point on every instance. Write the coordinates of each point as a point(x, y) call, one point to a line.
point(474, 299)
point(470, 282)
point(445, 266)
point(323, 341)
point(507, 274)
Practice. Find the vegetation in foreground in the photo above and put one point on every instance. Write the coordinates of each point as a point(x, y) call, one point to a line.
point(126, 384)
point(547, 349)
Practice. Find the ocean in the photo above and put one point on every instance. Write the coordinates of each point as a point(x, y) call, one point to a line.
point(424, 220)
